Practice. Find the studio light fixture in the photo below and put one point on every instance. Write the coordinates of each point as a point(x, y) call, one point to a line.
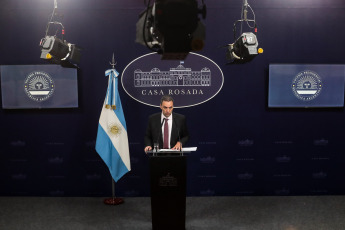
point(56, 50)
point(172, 28)
point(245, 47)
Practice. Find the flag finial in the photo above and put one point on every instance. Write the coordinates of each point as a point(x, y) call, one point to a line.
point(113, 63)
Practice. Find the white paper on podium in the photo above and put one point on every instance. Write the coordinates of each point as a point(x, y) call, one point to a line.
point(188, 149)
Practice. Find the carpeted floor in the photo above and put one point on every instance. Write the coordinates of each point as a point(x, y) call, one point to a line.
point(203, 213)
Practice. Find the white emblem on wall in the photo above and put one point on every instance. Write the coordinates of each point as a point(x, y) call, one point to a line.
point(39, 86)
point(307, 85)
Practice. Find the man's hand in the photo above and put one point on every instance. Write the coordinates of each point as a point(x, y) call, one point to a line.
point(147, 148)
point(177, 146)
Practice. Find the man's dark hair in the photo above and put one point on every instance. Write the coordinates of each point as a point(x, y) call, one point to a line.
point(167, 98)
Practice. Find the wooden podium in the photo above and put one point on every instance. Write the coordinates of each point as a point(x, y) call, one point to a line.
point(168, 191)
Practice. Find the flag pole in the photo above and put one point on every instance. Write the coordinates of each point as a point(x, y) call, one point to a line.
point(113, 200)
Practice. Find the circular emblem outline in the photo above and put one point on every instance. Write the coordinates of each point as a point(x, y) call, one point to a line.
point(149, 103)
point(306, 85)
point(39, 86)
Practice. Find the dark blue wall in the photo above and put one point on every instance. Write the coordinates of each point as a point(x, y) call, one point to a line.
point(244, 148)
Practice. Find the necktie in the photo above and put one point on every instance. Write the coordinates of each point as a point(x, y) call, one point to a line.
point(166, 134)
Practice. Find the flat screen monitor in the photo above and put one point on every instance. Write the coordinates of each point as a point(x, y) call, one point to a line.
point(38, 86)
point(306, 85)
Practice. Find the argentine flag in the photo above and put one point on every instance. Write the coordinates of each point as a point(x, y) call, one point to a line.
point(112, 140)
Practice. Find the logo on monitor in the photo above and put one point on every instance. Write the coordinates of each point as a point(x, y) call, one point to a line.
point(39, 86)
point(307, 85)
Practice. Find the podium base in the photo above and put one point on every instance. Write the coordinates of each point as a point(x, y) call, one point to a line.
point(113, 201)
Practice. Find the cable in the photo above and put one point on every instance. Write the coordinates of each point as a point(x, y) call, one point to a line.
point(242, 16)
point(51, 19)
point(252, 27)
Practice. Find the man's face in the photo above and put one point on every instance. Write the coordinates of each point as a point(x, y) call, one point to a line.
point(167, 108)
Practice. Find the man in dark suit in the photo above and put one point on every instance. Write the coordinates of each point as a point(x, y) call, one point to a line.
point(166, 128)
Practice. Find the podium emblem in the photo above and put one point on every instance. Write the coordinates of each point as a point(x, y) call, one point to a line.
point(168, 181)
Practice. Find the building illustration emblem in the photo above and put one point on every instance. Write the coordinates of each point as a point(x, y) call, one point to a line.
point(168, 181)
point(179, 76)
point(39, 86)
point(307, 85)
point(191, 82)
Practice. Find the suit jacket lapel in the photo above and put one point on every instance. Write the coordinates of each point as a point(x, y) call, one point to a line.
point(173, 132)
point(159, 124)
